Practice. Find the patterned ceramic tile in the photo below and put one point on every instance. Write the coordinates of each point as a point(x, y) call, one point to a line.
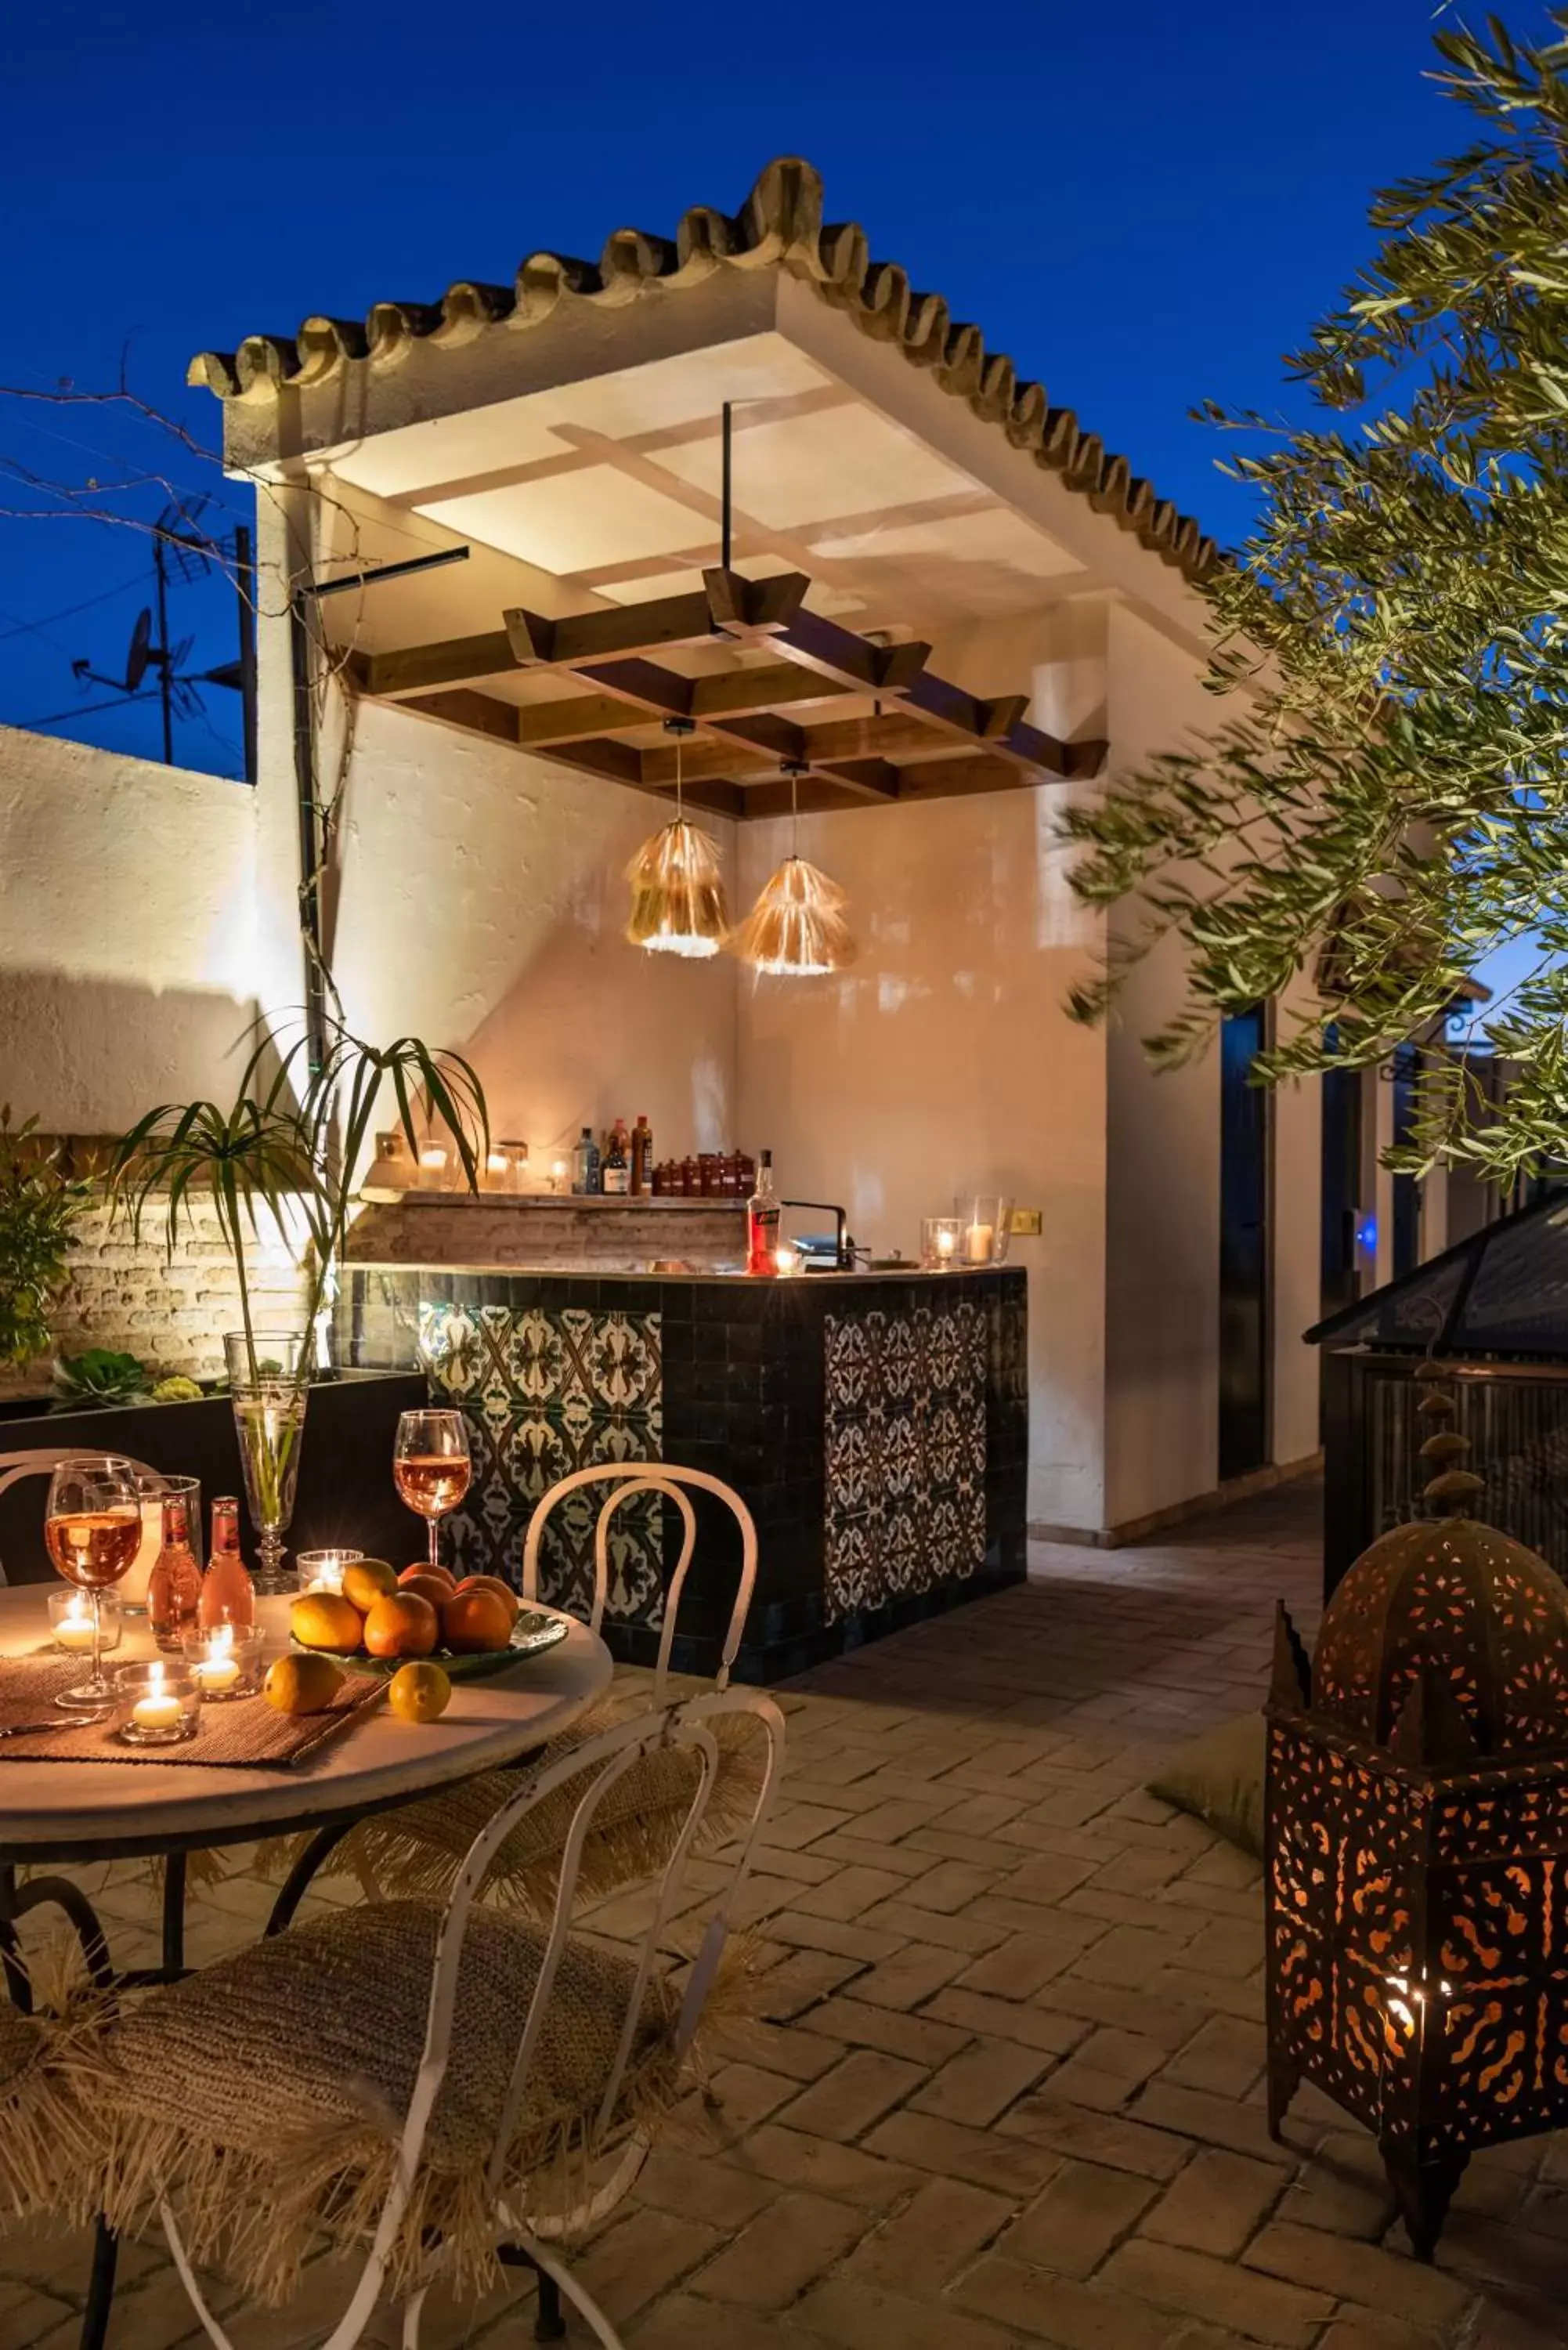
point(545, 1393)
point(906, 1452)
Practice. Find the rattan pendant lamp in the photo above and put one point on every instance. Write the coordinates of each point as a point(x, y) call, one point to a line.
point(676, 885)
point(796, 930)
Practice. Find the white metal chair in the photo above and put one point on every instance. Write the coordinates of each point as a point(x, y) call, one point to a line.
point(439, 2156)
point(42, 1460)
point(417, 1850)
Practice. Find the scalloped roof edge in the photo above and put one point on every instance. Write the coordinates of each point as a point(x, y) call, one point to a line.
point(780, 225)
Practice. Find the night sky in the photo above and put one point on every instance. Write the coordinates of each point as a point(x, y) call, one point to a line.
point(1145, 204)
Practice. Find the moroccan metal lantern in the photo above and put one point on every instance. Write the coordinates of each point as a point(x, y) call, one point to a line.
point(1416, 1845)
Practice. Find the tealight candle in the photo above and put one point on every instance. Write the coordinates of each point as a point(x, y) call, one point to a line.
point(158, 1704)
point(322, 1570)
point(979, 1239)
point(224, 1660)
point(787, 1260)
point(70, 1619)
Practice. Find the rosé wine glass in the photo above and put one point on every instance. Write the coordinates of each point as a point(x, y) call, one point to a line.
point(431, 1466)
point(92, 1530)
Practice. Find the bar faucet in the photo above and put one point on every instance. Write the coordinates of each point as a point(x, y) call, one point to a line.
point(843, 1248)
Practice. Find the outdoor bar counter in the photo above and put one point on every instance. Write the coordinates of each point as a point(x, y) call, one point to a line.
point(875, 1424)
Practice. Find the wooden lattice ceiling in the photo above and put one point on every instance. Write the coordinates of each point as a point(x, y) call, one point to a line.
point(901, 733)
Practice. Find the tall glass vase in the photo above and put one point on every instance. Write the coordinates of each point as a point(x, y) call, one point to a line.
point(269, 1386)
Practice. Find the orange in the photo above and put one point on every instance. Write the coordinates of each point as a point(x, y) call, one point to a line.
point(401, 1626)
point(427, 1586)
point(325, 1619)
point(444, 1574)
point(473, 1622)
point(419, 1693)
point(491, 1582)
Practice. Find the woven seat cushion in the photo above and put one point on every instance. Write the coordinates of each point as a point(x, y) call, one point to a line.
point(265, 2095)
point(418, 1849)
point(45, 2147)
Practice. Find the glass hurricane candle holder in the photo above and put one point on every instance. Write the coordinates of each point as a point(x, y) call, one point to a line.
point(224, 1661)
point(322, 1570)
point(942, 1241)
point(70, 1620)
point(155, 1704)
point(986, 1218)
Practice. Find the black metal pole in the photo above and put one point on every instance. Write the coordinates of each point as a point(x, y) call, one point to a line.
point(726, 438)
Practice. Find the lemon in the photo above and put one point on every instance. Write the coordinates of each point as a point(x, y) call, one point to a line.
point(325, 1619)
point(301, 1684)
point(419, 1693)
point(365, 1580)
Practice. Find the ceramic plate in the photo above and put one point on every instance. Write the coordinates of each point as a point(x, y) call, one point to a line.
point(533, 1631)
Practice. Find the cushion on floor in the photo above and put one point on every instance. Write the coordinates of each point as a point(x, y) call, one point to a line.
point(1218, 1778)
point(265, 2095)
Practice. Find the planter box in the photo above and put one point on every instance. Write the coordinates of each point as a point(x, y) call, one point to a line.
point(346, 1492)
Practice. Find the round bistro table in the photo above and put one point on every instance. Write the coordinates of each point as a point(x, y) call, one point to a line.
point(67, 1813)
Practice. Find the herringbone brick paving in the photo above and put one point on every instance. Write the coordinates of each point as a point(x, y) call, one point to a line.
point(1007, 2090)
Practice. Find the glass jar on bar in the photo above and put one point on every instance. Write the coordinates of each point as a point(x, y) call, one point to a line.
point(986, 1219)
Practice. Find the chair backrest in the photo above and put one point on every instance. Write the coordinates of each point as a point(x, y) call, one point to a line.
point(600, 1763)
point(41, 1460)
point(626, 1479)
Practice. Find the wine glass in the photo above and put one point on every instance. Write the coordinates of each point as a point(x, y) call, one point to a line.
point(92, 1528)
point(431, 1466)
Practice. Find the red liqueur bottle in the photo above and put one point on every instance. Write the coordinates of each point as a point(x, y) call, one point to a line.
point(763, 1222)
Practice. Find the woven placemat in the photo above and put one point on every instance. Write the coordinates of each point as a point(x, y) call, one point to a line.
point(244, 1734)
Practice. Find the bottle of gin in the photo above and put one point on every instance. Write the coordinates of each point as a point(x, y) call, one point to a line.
point(174, 1585)
point(616, 1172)
point(763, 1222)
point(228, 1594)
point(586, 1165)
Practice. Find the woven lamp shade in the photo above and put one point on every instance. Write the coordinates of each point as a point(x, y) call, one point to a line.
point(796, 930)
point(678, 893)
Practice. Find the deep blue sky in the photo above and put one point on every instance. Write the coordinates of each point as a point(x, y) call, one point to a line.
point(1144, 202)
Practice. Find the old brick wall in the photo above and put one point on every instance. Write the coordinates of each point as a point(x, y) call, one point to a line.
point(128, 1294)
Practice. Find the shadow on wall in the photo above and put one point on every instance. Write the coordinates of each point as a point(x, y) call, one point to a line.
point(91, 1056)
point(591, 1029)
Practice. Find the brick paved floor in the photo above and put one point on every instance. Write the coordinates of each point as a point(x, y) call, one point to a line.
point(1009, 2092)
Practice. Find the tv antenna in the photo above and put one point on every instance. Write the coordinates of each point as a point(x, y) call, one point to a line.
point(183, 552)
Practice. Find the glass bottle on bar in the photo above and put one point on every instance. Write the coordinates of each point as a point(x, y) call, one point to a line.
point(586, 1165)
point(615, 1174)
point(174, 1585)
point(763, 1222)
point(228, 1594)
point(641, 1156)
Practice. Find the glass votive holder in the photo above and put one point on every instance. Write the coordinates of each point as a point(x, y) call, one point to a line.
point(434, 1165)
point(942, 1242)
point(71, 1621)
point(156, 1704)
point(987, 1226)
point(322, 1570)
point(224, 1661)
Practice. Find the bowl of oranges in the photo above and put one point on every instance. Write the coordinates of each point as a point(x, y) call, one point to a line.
point(384, 1619)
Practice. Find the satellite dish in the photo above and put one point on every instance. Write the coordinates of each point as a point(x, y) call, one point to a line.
point(137, 659)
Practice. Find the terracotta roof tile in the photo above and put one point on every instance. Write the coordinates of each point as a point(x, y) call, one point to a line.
point(780, 225)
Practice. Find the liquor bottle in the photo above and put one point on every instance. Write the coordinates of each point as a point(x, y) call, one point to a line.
point(616, 1173)
point(641, 1156)
point(228, 1594)
point(174, 1585)
point(763, 1222)
point(586, 1165)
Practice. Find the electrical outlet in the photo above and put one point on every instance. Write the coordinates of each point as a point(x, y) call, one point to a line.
point(1027, 1223)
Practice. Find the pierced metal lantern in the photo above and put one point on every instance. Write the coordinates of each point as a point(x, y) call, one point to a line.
point(1416, 1845)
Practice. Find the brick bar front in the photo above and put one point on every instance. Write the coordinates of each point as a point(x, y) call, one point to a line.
point(875, 1425)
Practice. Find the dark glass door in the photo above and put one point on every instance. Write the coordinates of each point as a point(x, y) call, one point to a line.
point(1244, 1248)
point(1340, 1281)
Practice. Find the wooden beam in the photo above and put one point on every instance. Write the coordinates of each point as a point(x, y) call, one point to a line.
point(421, 669)
point(728, 606)
point(476, 714)
point(541, 724)
point(741, 693)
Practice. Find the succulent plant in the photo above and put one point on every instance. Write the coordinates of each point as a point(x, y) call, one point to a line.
point(100, 1376)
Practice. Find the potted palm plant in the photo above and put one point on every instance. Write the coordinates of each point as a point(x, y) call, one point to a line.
point(290, 1147)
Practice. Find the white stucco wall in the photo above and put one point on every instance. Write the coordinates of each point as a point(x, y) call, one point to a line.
point(481, 907)
point(128, 964)
point(943, 1061)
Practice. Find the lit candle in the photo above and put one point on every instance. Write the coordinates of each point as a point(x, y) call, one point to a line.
point(980, 1239)
point(219, 1669)
point(559, 1174)
point(945, 1241)
point(432, 1165)
point(787, 1260)
point(160, 1709)
point(74, 1629)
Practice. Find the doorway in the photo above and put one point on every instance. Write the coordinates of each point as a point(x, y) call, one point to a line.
point(1339, 1278)
point(1245, 1134)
